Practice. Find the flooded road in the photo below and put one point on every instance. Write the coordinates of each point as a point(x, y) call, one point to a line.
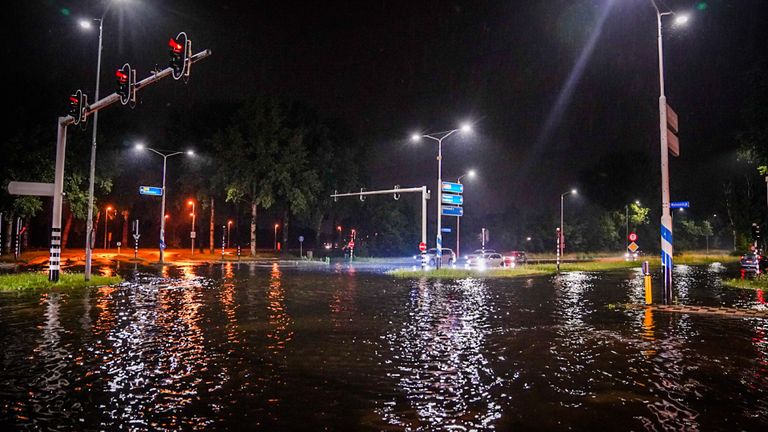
point(248, 347)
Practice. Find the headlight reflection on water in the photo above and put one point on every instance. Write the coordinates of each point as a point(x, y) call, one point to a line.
point(439, 359)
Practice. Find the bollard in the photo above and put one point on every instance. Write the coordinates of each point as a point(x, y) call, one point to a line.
point(648, 283)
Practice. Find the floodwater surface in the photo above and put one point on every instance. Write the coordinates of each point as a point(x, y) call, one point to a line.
point(231, 347)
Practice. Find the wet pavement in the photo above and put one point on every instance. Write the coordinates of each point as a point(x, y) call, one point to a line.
point(249, 347)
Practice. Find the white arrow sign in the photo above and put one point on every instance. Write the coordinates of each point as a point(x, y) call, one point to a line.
point(30, 188)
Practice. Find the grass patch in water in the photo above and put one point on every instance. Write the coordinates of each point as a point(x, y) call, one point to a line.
point(463, 273)
point(757, 283)
point(25, 281)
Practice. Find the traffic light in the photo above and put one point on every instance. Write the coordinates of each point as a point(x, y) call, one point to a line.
point(756, 236)
point(77, 104)
point(180, 49)
point(126, 82)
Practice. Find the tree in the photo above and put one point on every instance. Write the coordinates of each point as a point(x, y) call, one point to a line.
point(248, 150)
point(753, 139)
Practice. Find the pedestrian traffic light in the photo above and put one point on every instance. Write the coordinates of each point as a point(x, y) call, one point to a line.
point(77, 105)
point(126, 84)
point(180, 52)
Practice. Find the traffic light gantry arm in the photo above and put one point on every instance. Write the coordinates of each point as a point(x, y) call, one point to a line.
point(114, 97)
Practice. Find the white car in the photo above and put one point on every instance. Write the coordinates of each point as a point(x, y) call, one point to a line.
point(486, 260)
point(429, 258)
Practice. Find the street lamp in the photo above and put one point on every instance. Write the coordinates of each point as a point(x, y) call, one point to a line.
point(90, 233)
point(229, 229)
point(470, 174)
point(106, 229)
point(276, 226)
point(192, 234)
point(666, 217)
point(165, 155)
point(561, 235)
point(439, 137)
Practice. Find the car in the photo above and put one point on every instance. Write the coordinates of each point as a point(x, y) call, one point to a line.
point(514, 258)
point(429, 257)
point(482, 251)
point(485, 260)
point(754, 262)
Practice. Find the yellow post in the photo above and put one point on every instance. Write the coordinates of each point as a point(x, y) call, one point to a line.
point(648, 284)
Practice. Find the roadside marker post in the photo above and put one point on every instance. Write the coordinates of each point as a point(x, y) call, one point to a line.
point(648, 283)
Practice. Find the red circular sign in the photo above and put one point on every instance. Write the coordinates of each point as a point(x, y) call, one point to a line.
point(632, 236)
point(351, 244)
point(422, 246)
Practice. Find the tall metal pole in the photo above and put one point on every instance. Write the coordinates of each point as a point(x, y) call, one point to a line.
point(458, 224)
point(193, 228)
point(562, 229)
point(666, 217)
point(106, 221)
point(626, 232)
point(424, 214)
point(90, 234)
point(439, 238)
point(162, 213)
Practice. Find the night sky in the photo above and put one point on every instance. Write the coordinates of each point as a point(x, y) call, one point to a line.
point(550, 85)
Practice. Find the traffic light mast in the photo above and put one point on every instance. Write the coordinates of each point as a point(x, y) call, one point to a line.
point(75, 116)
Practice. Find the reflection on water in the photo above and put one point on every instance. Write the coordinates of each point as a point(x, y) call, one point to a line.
point(280, 332)
point(268, 348)
point(51, 384)
point(438, 360)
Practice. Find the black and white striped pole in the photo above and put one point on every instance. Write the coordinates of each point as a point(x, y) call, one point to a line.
point(136, 236)
point(223, 240)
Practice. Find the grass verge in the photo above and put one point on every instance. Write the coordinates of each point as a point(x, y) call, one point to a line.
point(527, 270)
point(464, 273)
point(25, 281)
point(756, 283)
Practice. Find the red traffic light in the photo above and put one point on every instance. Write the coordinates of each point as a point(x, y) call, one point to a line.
point(175, 46)
point(122, 77)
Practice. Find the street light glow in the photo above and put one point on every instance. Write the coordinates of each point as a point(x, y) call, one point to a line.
point(85, 24)
point(138, 146)
point(471, 173)
point(190, 152)
point(682, 19)
point(415, 137)
point(574, 191)
point(466, 127)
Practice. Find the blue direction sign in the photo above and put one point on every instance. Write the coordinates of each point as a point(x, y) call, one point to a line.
point(453, 199)
point(445, 230)
point(151, 190)
point(456, 188)
point(679, 204)
point(453, 211)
